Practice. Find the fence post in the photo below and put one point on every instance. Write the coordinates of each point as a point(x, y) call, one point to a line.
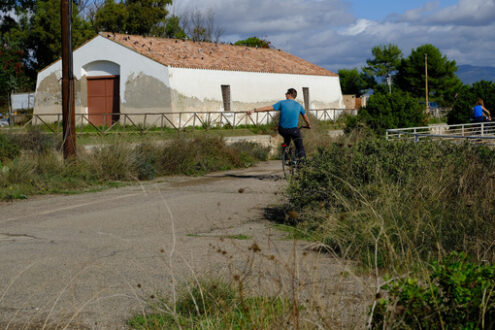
point(482, 129)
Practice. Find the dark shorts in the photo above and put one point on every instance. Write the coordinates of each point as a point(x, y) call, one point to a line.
point(480, 119)
point(293, 134)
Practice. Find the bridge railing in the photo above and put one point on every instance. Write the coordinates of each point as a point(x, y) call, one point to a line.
point(478, 132)
point(107, 123)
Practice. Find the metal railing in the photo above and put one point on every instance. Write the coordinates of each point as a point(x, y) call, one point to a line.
point(475, 132)
point(107, 123)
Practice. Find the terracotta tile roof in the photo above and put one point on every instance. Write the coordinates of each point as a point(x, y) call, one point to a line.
point(206, 55)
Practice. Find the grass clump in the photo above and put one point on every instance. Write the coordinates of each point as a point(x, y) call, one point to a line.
point(8, 149)
point(213, 304)
point(457, 293)
point(393, 203)
point(42, 170)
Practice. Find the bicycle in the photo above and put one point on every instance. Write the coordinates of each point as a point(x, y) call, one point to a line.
point(289, 160)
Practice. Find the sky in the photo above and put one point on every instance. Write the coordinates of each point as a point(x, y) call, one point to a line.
point(338, 34)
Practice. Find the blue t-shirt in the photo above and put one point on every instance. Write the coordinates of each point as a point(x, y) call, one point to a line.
point(478, 111)
point(289, 113)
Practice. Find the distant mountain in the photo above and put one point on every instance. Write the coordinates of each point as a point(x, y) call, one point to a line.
point(470, 73)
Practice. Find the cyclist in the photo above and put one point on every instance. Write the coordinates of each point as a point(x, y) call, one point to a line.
point(289, 118)
point(481, 113)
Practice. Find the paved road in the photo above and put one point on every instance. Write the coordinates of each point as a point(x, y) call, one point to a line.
point(92, 260)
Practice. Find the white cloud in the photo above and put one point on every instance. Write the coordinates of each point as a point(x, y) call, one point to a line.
point(326, 33)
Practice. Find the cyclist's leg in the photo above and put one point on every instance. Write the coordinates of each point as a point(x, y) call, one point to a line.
point(298, 141)
point(285, 134)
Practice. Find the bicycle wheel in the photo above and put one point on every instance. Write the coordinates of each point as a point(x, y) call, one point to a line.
point(288, 161)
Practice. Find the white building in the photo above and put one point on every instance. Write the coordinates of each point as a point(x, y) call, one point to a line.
point(116, 73)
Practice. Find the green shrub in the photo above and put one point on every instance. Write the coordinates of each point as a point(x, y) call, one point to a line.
point(8, 149)
point(395, 110)
point(457, 294)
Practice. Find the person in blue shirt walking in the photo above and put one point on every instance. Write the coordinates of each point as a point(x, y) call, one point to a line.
point(480, 111)
point(289, 118)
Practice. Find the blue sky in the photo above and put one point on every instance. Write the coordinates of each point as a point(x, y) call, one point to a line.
point(339, 34)
point(380, 9)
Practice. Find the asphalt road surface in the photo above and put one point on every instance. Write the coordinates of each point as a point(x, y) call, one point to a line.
point(93, 260)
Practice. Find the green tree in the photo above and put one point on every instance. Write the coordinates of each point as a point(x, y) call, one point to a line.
point(12, 71)
point(254, 42)
point(173, 28)
point(352, 82)
point(443, 83)
point(15, 74)
point(396, 110)
point(111, 17)
point(386, 61)
point(44, 32)
point(462, 110)
point(7, 5)
point(142, 17)
point(146, 17)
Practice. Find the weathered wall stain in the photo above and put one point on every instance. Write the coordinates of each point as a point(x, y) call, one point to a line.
point(143, 91)
point(81, 92)
point(49, 91)
point(49, 95)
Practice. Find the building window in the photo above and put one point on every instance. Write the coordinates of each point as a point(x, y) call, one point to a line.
point(226, 97)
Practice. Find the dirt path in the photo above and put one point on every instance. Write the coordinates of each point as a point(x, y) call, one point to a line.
point(93, 260)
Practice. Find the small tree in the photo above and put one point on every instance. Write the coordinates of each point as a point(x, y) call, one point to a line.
point(396, 110)
point(254, 42)
point(352, 82)
point(386, 61)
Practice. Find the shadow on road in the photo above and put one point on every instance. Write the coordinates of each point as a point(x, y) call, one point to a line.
point(271, 177)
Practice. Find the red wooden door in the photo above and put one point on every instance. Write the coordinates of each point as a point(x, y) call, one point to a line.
point(103, 100)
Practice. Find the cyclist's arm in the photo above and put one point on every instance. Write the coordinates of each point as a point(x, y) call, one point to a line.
point(485, 110)
point(306, 119)
point(262, 109)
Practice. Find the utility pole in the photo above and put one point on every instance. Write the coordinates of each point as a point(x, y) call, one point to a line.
point(426, 82)
point(68, 109)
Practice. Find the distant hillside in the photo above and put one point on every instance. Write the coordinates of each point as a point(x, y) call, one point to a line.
point(470, 73)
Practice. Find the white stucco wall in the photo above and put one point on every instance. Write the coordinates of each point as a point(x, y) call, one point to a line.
point(249, 88)
point(100, 50)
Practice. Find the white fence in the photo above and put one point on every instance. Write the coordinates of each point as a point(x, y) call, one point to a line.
point(475, 132)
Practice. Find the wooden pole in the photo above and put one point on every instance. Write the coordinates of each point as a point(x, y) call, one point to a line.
point(68, 109)
point(426, 82)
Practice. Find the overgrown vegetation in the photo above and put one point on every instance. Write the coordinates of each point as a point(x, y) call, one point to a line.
point(40, 168)
point(213, 304)
point(420, 212)
point(395, 203)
